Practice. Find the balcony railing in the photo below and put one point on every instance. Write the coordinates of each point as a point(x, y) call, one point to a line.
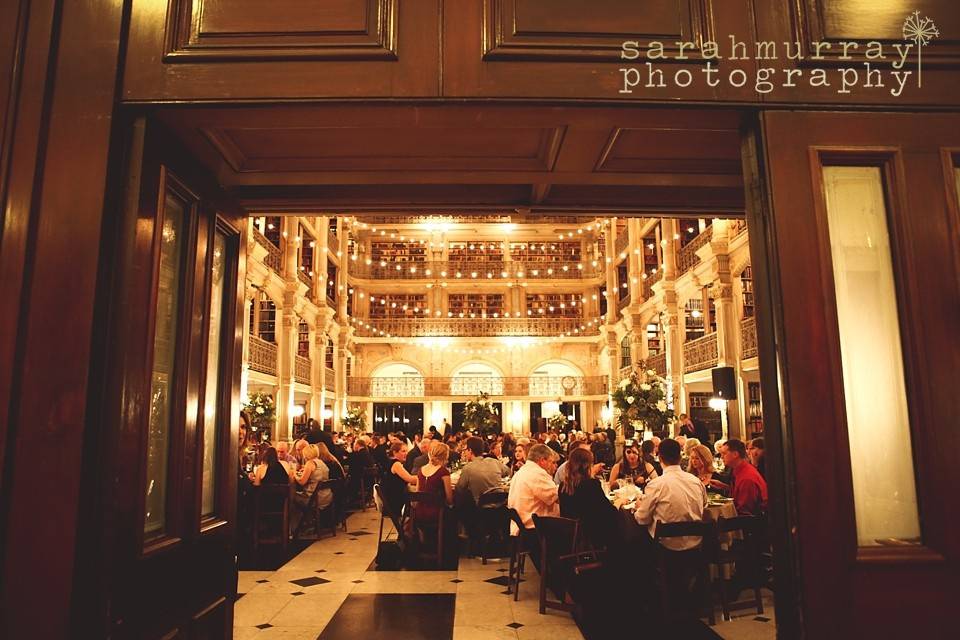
point(649, 281)
point(687, 257)
point(274, 254)
point(302, 369)
point(475, 270)
point(306, 279)
point(329, 379)
point(623, 302)
point(624, 372)
point(736, 227)
point(658, 363)
point(263, 356)
point(700, 354)
point(478, 327)
point(471, 386)
point(748, 338)
point(435, 219)
point(333, 244)
point(620, 245)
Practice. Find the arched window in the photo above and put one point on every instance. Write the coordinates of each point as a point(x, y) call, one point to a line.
point(472, 378)
point(555, 379)
point(396, 380)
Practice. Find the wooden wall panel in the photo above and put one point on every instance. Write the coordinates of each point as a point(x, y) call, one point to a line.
point(834, 22)
point(243, 49)
point(220, 30)
point(572, 48)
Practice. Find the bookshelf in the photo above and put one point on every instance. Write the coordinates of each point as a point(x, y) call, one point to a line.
point(554, 305)
point(397, 305)
point(654, 338)
point(746, 285)
point(303, 339)
point(475, 305)
point(475, 252)
point(331, 288)
point(546, 251)
point(397, 252)
point(651, 260)
point(305, 252)
point(754, 409)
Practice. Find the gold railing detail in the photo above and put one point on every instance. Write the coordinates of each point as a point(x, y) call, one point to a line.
point(620, 245)
point(748, 337)
point(658, 363)
point(329, 379)
point(649, 281)
point(687, 257)
point(487, 271)
point(302, 369)
point(274, 255)
point(442, 327)
point(701, 353)
point(263, 356)
point(471, 386)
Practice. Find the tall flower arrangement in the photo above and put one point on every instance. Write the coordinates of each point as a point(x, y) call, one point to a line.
point(355, 420)
point(480, 415)
point(263, 414)
point(558, 422)
point(641, 400)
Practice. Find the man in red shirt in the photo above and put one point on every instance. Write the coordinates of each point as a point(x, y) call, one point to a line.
point(749, 491)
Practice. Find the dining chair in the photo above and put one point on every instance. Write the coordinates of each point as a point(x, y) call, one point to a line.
point(745, 554)
point(271, 520)
point(518, 555)
point(419, 499)
point(675, 567)
point(493, 519)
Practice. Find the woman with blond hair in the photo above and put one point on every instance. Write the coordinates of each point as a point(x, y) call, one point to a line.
point(313, 472)
point(701, 465)
point(434, 477)
point(335, 469)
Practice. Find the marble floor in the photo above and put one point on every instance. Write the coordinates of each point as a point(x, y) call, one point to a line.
point(329, 591)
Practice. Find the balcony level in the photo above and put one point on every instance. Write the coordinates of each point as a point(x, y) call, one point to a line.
point(567, 388)
point(477, 327)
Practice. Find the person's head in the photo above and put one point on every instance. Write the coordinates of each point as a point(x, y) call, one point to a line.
point(718, 445)
point(631, 455)
point(755, 451)
point(579, 467)
point(310, 452)
point(417, 438)
point(670, 452)
point(602, 436)
point(282, 448)
point(544, 457)
point(573, 444)
point(682, 441)
point(647, 448)
point(701, 459)
point(425, 445)
point(685, 419)
point(689, 446)
point(474, 448)
point(269, 457)
point(733, 452)
point(324, 453)
point(656, 440)
point(496, 448)
point(244, 428)
point(439, 453)
point(398, 451)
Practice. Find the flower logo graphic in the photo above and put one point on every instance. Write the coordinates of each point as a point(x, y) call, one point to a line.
point(921, 31)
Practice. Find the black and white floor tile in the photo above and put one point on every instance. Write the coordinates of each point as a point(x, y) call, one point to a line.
point(331, 591)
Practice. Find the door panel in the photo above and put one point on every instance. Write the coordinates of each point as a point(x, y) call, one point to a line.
point(173, 399)
point(885, 584)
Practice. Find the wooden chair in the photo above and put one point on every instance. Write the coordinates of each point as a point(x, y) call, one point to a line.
point(271, 507)
point(369, 477)
point(680, 563)
point(518, 555)
point(746, 555)
point(419, 499)
point(311, 512)
point(492, 518)
point(558, 541)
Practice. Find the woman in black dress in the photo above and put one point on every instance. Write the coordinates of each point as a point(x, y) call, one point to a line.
point(582, 498)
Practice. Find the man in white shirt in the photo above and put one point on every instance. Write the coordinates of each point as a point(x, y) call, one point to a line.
point(676, 496)
point(533, 491)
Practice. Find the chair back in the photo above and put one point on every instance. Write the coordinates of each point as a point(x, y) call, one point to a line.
point(516, 519)
point(492, 498)
point(558, 536)
point(426, 498)
point(378, 498)
point(695, 528)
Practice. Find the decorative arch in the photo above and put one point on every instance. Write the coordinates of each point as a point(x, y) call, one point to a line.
point(396, 379)
point(486, 377)
point(556, 378)
point(577, 371)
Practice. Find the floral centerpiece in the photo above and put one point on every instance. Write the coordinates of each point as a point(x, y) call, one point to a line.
point(263, 414)
point(641, 400)
point(558, 422)
point(355, 420)
point(480, 415)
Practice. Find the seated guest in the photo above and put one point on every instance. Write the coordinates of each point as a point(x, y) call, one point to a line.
point(554, 443)
point(673, 497)
point(380, 450)
point(603, 450)
point(396, 479)
point(509, 446)
point(749, 490)
point(312, 473)
point(519, 455)
point(701, 465)
point(631, 465)
point(361, 458)
point(757, 456)
point(333, 465)
point(418, 457)
point(582, 498)
point(480, 473)
point(434, 477)
point(298, 447)
point(433, 433)
point(562, 469)
point(283, 455)
point(452, 445)
point(270, 471)
point(648, 451)
point(688, 446)
point(533, 491)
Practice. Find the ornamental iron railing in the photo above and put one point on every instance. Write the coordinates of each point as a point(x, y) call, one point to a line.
point(263, 355)
point(701, 353)
point(472, 386)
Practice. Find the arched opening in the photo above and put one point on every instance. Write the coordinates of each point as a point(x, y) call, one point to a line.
point(474, 378)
